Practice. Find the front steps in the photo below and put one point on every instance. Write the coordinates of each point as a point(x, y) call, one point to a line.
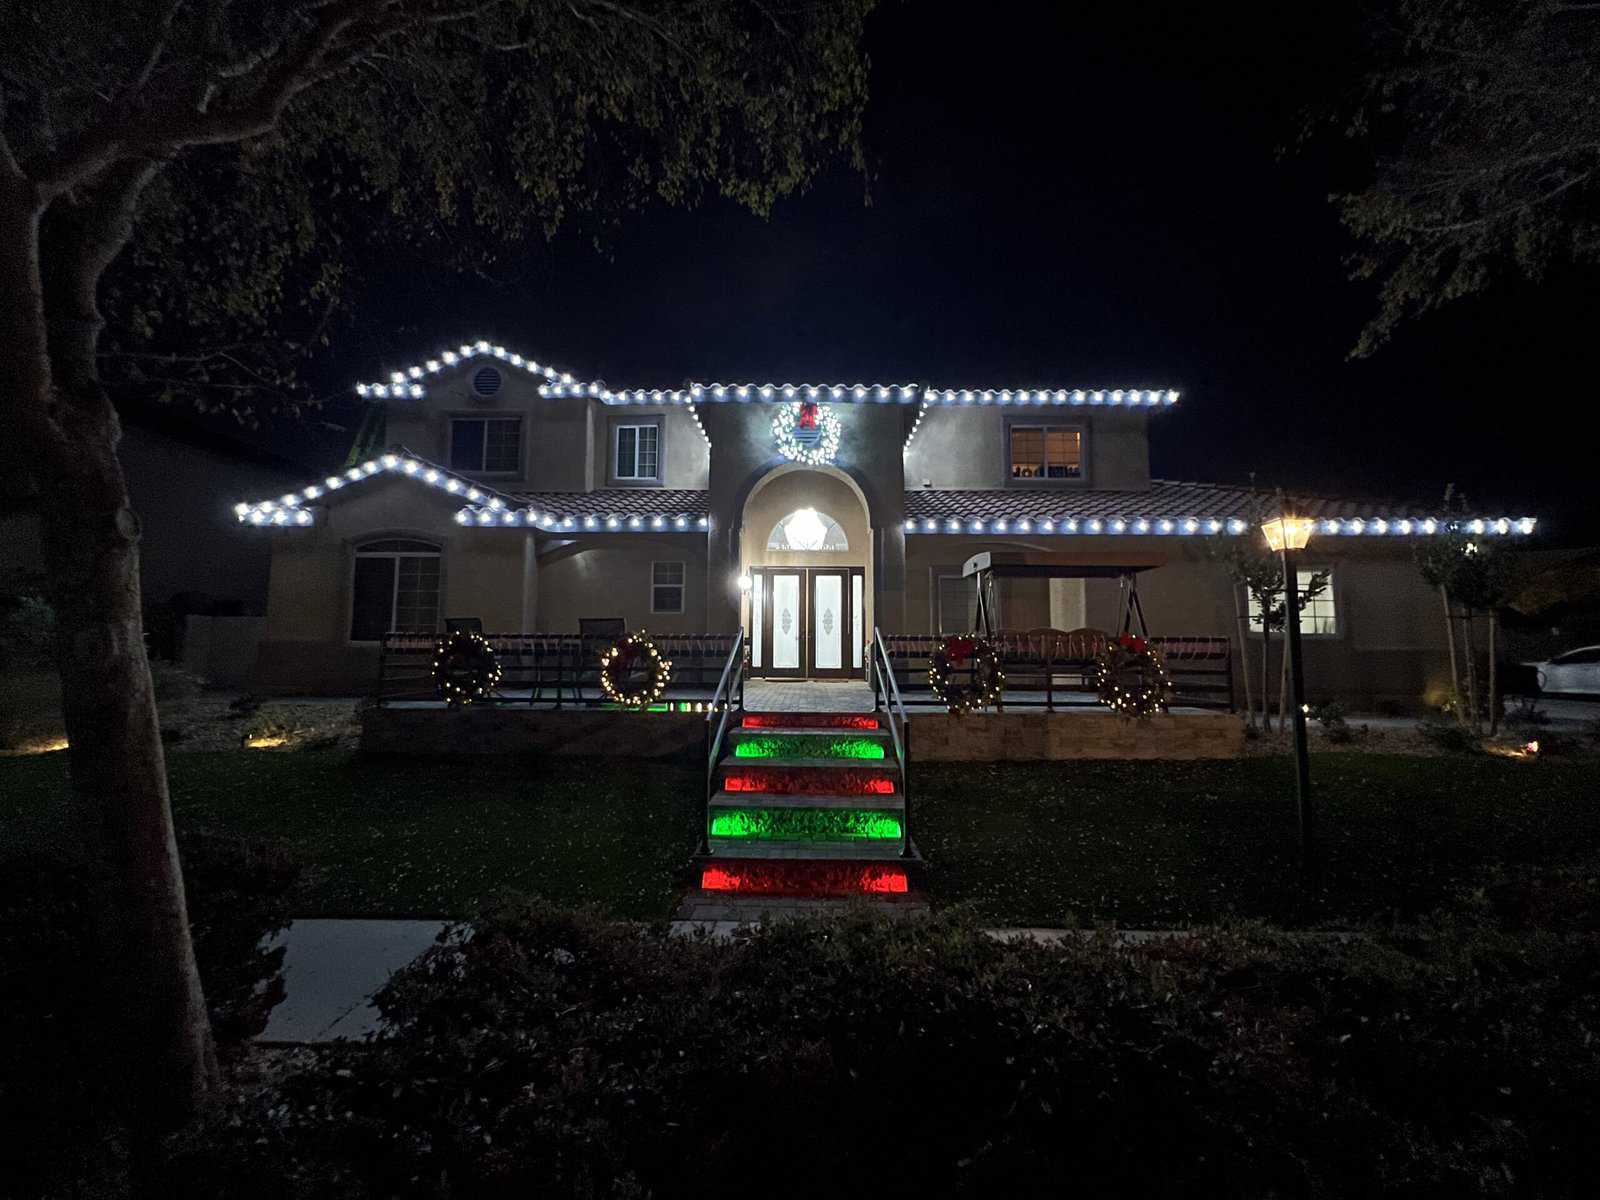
point(807, 811)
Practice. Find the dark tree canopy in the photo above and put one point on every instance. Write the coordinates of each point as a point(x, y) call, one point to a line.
point(451, 129)
point(200, 178)
point(1485, 120)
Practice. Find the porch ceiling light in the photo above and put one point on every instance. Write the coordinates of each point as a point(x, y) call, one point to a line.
point(1291, 532)
point(744, 583)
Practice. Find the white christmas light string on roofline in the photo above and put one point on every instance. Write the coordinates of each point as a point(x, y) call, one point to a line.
point(1040, 397)
point(291, 508)
point(601, 522)
point(1190, 526)
point(408, 382)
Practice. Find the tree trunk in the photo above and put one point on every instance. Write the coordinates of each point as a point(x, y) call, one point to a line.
point(1244, 657)
point(1470, 652)
point(1494, 674)
point(154, 1011)
point(1266, 658)
point(1450, 645)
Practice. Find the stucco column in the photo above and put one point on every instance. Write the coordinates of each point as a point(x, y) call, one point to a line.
point(530, 582)
point(722, 571)
point(889, 578)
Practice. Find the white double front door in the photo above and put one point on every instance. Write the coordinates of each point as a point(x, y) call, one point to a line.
point(806, 622)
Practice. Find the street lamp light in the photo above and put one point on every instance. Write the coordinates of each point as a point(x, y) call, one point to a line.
point(1286, 535)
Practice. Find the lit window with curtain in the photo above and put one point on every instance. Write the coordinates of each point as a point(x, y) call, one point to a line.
point(1046, 452)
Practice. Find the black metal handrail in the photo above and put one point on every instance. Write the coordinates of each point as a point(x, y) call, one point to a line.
point(719, 709)
point(885, 686)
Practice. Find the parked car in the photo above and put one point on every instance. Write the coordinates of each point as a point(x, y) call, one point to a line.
point(1575, 671)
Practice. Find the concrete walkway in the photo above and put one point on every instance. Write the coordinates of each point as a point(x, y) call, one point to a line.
point(333, 968)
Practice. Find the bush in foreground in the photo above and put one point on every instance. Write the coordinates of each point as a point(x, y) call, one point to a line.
point(551, 1053)
point(58, 1116)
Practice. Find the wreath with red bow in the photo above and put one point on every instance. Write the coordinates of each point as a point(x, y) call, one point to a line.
point(465, 668)
point(1133, 678)
point(633, 673)
point(965, 674)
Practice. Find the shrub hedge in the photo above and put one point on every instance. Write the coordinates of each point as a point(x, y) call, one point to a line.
point(57, 1112)
point(541, 1052)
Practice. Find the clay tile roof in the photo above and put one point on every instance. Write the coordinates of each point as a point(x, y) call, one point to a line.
point(619, 502)
point(1163, 499)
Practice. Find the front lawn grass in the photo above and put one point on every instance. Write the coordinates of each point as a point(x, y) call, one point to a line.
point(1166, 844)
point(420, 837)
point(1136, 843)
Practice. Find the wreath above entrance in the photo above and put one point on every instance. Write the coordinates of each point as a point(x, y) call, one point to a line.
point(1133, 678)
point(807, 432)
point(955, 658)
point(633, 673)
point(465, 668)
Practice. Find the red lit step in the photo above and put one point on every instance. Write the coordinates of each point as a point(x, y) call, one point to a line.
point(798, 877)
point(809, 720)
point(801, 781)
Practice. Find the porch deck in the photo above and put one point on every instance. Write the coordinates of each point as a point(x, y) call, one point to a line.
point(805, 695)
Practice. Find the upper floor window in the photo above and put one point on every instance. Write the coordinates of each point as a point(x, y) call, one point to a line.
point(1318, 615)
point(395, 589)
point(489, 445)
point(1046, 452)
point(638, 451)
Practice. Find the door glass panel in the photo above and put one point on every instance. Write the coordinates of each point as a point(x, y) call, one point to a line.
point(857, 620)
point(786, 622)
point(755, 618)
point(372, 605)
point(827, 619)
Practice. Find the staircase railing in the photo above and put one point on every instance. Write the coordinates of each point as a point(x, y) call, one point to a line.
point(887, 691)
point(718, 711)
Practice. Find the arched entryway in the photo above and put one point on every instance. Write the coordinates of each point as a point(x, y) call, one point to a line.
point(806, 574)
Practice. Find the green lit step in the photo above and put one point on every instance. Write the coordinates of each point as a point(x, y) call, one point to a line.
point(857, 851)
point(863, 746)
point(807, 825)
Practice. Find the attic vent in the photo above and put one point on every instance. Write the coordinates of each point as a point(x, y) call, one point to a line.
point(486, 381)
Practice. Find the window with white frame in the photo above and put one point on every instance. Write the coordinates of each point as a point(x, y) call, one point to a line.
point(637, 453)
point(666, 587)
point(1318, 615)
point(394, 589)
point(486, 445)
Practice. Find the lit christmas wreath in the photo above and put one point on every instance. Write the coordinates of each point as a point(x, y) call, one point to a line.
point(807, 432)
point(465, 668)
point(617, 663)
point(988, 680)
point(1133, 678)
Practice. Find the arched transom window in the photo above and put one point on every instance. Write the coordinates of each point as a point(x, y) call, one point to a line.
point(809, 531)
point(395, 589)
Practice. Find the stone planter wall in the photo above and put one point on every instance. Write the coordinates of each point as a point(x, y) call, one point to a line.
point(428, 732)
point(935, 737)
point(1033, 737)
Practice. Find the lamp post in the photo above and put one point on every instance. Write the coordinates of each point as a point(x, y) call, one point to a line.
point(1286, 535)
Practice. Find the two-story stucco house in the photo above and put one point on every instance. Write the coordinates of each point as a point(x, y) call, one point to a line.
point(529, 498)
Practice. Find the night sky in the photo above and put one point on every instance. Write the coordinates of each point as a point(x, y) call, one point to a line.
point(1078, 196)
